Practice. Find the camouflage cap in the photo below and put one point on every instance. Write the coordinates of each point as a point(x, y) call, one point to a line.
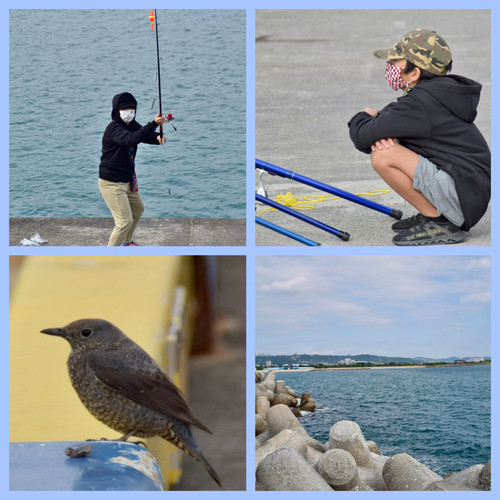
point(424, 48)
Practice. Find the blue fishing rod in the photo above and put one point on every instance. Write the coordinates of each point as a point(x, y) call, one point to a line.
point(286, 232)
point(288, 174)
point(325, 227)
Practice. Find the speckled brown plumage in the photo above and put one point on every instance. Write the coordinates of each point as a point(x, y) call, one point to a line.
point(124, 388)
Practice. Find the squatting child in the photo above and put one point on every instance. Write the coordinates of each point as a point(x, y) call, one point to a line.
point(426, 145)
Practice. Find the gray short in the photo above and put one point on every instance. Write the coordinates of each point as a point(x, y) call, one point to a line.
point(439, 188)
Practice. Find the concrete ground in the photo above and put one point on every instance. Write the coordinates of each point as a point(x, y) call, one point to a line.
point(366, 227)
point(217, 389)
point(87, 231)
point(314, 72)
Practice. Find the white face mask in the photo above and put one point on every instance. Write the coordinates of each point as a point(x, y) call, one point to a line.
point(127, 115)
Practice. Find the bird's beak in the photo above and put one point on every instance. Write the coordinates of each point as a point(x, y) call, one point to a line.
point(59, 332)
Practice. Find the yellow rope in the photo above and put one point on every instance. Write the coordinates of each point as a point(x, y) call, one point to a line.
point(304, 202)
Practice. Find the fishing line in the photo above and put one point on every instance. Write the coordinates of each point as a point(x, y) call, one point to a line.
point(307, 202)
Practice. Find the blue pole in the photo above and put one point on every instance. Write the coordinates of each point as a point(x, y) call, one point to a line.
point(340, 234)
point(396, 214)
point(286, 232)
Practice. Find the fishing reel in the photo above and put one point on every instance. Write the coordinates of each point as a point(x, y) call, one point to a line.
point(170, 119)
point(262, 189)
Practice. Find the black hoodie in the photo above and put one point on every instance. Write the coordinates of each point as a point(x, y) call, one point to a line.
point(119, 145)
point(436, 120)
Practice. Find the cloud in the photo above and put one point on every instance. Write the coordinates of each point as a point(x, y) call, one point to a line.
point(481, 297)
point(313, 301)
point(479, 263)
point(291, 285)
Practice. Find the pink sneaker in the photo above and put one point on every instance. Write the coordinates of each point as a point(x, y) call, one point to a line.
point(133, 243)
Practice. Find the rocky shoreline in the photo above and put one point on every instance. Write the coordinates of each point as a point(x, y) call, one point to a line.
point(288, 459)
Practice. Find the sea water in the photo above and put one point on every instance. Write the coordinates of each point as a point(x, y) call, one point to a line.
point(65, 68)
point(440, 416)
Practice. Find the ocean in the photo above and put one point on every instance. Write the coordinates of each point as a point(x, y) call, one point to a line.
point(65, 68)
point(439, 416)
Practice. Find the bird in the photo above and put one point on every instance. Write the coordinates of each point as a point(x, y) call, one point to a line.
point(122, 386)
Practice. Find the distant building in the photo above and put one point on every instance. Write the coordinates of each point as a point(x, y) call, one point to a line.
point(347, 361)
point(470, 360)
point(268, 363)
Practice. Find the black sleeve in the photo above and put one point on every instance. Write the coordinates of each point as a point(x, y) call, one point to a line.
point(123, 137)
point(152, 138)
point(402, 119)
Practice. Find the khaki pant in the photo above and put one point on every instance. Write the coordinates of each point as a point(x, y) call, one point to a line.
point(126, 207)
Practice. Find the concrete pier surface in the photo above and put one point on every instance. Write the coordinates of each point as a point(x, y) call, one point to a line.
point(314, 71)
point(95, 231)
point(366, 227)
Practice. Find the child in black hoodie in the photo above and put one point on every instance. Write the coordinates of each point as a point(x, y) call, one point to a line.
point(425, 145)
point(117, 178)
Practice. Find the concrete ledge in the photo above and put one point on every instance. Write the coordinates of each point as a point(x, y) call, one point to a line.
point(95, 231)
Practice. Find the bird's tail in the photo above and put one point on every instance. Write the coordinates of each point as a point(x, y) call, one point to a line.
point(187, 442)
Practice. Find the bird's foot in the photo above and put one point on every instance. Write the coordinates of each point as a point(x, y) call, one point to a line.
point(121, 440)
point(139, 443)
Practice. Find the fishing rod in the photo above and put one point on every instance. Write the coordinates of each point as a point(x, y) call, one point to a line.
point(153, 18)
point(288, 174)
point(340, 234)
point(286, 232)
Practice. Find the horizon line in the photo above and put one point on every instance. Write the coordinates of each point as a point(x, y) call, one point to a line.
point(368, 354)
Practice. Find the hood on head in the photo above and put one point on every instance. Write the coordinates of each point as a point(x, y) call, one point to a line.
point(115, 114)
point(458, 94)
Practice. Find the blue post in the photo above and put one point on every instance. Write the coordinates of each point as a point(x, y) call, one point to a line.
point(286, 232)
point(340, 234)
point(396, 214)
point(105, 466)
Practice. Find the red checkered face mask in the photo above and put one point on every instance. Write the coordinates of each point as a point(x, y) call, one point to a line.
point(393, 76)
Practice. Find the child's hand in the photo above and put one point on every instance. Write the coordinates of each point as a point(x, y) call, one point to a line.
point(372, 112)
point(159, 139)
point(383, 143)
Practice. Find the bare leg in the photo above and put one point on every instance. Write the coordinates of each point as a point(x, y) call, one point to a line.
point(397, 165)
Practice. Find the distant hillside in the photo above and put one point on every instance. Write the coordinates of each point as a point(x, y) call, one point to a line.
point(316, 359)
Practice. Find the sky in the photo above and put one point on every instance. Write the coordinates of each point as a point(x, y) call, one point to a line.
point(411, 306)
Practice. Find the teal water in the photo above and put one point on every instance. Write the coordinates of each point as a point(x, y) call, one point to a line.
point(65, 67)
point(440, 416)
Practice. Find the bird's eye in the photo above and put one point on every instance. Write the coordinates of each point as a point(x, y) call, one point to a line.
point(86, 333)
